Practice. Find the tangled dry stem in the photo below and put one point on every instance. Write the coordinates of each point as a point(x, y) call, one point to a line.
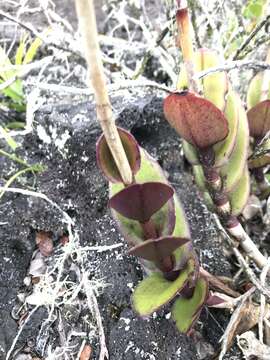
point(69, 249)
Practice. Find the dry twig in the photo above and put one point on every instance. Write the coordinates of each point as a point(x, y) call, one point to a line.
point(262, 305)
point(88, 28)
point(234, 321)
point(232, 65)
point(251, 36)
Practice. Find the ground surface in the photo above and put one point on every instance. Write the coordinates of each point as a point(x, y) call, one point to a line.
point(73, 181)
point(63, 136)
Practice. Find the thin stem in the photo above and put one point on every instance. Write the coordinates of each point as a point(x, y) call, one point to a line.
point(230, 222)
point(185, 39)
point(149, 230)
point(14, 157)
point(232, 65)
point(88, 28)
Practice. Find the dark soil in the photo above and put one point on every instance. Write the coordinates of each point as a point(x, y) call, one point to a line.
point(73, 181)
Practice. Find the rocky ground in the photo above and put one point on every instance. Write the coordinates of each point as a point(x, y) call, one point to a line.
point(47, 297)
point(72, 181)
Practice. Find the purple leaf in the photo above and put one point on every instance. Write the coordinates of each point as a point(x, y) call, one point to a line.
point(105, 159)
point(140, 201)
point(196, 119)
point(158, 249)
point(259, 119)
point(214, 300)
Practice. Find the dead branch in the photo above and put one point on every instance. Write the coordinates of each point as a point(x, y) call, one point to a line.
point(121, 85)
point(251, 346)
point(252, 277)
point(234, 321)
point(263, 302)
point(251, 36)
point(232, 65)
point(34, 32)
point(20, 331)
point(88, 28)
point(93, 306)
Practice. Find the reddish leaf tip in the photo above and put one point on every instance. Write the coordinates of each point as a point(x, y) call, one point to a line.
point(105, 159)
point(196, 119)
point(140, 201)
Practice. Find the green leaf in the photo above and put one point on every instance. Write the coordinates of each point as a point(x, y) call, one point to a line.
point(199, 177)
point(10, 141)
point(5, 62)
point(224, 149)
point(186, 311)
point(14, 91)
point(239, 195)
point(256, 9)
point(233, 170)
point(214, 85)
point(155, 291)
point(254, 91)
point(190, 153)
point(20, 51)
point(32, 51)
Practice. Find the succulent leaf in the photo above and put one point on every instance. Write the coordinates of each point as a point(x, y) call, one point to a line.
point(208, 201)
point(259, 119)
point(199, 177)
point(196, 119)
point(155, 291)
point(255, 90)
point(181, 228)
point(216, 89)
point(158, 249)
point(214, 85)
point(233, 170)
point(164, 219)
point(185, 311)
point(182, 255)
point(105, 159)
point(190, 153)
point(239, 195)
point(224, 149)
point(140, 201)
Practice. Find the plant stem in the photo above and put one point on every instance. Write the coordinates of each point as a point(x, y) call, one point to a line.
point(230, 222)
point(13, 178)
point(185, 39)
point(149, 230)
point(213, 179)
point(88, 29)
point(14, 157)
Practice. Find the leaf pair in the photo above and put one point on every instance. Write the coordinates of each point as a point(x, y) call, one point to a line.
point(155, 291)
point(159, 251)
point(140, 201)
point(196, 119)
